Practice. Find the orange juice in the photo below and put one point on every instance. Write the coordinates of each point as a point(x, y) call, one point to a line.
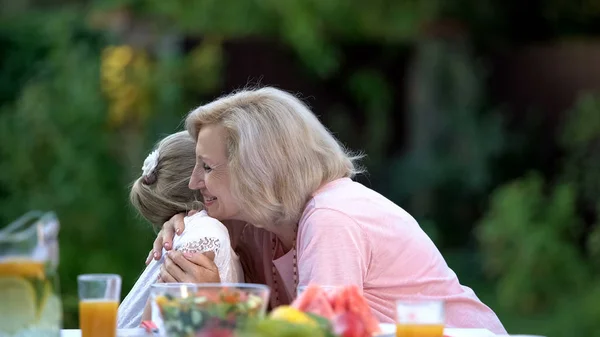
point(29, 301)
point(98, 318)
point(419, 330)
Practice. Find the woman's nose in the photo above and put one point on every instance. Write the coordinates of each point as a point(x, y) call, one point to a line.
point(196, 180)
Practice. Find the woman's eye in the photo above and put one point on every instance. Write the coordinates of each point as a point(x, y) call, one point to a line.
point(206, 168)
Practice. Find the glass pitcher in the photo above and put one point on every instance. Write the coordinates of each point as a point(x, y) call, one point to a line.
point(30, 302)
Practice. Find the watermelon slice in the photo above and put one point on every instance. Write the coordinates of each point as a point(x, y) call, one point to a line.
point(345, 307)
point(349, 299)
point(349, 324)
point(314, 300)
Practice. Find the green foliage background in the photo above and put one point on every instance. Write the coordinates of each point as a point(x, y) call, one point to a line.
point(83, 97)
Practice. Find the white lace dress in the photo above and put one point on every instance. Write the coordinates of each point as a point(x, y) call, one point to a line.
point(202, 234)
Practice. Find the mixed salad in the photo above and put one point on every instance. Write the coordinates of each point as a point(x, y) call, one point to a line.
point(208, 309)
point(233, 313)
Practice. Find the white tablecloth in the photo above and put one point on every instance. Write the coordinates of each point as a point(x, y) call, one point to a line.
point(390, 330)
point(120, 333)
point(142, 333)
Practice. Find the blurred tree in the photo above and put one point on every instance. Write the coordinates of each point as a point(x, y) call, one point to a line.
point(61, 149)
point(581, 141)
point(80, 107)
point(499, 24)
point(312, 28)
point(531, 236)
point(454, 135)
point(528, 241)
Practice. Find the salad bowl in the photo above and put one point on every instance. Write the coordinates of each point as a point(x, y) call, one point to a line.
point(186, 309)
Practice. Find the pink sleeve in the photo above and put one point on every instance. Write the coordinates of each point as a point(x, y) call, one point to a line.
point(332, 249)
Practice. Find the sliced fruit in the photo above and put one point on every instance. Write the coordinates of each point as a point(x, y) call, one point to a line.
point(278, 328)
point(349, 324)
point(305, 297)
point(161, 300)
point(17, 304)
point(346, 299)
point(349, 299)
point(320, 306)
point(314, 300)
point(50, 312)
point(292, 315)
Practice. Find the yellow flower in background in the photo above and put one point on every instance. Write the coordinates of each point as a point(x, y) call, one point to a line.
point(125, 74)
point(205, 65)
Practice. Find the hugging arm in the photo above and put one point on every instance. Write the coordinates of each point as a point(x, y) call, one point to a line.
point(176, 225)
point(165, 236)
point(189, 268)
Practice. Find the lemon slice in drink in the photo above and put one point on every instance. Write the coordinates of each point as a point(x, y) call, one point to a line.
point(50, 311)
point(18, 304)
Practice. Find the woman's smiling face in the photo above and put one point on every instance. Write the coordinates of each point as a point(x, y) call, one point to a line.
point(211, 174)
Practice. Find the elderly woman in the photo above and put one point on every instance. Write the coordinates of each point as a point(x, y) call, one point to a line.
point(277, 178)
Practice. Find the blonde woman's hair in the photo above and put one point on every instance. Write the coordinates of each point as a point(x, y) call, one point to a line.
point(279, 152)
point(165, 192)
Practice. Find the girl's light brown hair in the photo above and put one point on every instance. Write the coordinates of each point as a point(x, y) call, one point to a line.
point(166, 193)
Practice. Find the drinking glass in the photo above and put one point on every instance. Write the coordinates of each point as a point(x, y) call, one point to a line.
point(99, 296)
point(327, 289)
point(420, 318)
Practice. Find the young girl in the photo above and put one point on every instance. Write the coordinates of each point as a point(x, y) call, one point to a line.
point(161, 192)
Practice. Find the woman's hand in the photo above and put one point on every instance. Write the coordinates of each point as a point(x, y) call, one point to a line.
point(166, 235)
point(189, 268)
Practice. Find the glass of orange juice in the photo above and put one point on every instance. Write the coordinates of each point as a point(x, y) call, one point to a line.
point(99, 296)
point(420, 318)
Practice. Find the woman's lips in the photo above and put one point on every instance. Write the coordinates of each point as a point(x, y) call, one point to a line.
point(209, 200)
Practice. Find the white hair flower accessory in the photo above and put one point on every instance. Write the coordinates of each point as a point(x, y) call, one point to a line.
point(150, 163)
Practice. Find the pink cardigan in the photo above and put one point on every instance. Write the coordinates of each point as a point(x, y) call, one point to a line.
point(350, 234)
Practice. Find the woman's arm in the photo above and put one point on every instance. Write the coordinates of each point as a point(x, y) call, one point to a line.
point(189, 268)
point(165, 236)
point(332, 249)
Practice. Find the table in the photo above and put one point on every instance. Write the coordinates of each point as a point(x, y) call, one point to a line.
point(142, 333)
point(138, 332)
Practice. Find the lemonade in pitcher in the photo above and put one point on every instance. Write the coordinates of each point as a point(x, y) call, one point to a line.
point(29, 298)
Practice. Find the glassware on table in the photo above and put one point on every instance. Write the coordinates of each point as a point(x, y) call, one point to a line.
point(30, 301)
point(99, 296)
point(181, 308)
point(327, 288)
point(420, 318)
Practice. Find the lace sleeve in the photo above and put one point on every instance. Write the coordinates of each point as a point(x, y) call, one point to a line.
point(204, 234)
point(207, 244)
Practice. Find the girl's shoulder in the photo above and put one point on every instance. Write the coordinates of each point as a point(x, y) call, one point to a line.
point(202, 225)
point(201, 218)
point(201, 233)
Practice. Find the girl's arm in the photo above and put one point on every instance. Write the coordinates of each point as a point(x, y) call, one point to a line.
point(147, 315)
